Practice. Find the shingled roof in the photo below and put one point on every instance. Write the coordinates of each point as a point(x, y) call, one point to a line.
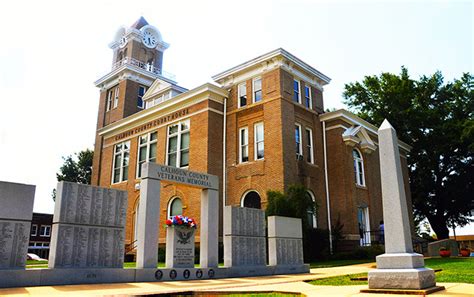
point(140, 23)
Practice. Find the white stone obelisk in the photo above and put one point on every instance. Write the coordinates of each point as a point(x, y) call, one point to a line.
point(399, 267)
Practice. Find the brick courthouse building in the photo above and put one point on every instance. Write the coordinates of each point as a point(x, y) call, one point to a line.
point(261, 127)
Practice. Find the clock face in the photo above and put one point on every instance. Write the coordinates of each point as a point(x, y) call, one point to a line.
point(123, 41)
point(149, 38)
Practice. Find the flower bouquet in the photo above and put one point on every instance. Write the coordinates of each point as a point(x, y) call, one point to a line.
point(181, 221)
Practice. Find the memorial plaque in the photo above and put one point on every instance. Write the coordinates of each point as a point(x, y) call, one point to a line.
point(180, 247)
point(16, 211)
point(244, 239)
point(88, 227)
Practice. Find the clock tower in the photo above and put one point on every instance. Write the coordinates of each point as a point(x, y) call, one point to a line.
point(137, 63)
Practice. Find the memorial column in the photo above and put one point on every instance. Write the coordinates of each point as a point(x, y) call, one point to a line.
point(148, 220)
point(209, 228)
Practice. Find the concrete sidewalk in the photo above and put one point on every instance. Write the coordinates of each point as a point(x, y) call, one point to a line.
point(285, 283)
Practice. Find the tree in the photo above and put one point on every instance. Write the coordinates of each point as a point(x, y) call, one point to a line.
point(294, 203)
point(297, 203)
point(77, 169)
point(437, 119)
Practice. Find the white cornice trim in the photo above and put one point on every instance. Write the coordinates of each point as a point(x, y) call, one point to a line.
point(352, 119)
point(336, 127)
point(269, 56)
point(180, 101)
point(138, 70)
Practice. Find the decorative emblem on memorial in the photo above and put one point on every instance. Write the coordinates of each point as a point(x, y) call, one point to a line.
point(186, 274)
point(159, 274)
point(184, 235)
point(199, 273)
point(211, 273)
point(180, 242)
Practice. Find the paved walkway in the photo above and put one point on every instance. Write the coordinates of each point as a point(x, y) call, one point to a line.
point(285, 283)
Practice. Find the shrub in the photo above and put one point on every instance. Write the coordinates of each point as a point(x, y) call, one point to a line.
point(363, 252)
point(315, 245)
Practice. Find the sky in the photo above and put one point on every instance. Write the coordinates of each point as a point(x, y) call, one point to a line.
point(52, 51)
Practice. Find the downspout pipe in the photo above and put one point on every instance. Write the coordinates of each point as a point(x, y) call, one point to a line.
point(224, 171)
point(328, 202)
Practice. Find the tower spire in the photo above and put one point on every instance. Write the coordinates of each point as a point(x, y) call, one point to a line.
point(139, 23)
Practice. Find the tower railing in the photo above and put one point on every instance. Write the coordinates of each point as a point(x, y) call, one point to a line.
point(145, 66)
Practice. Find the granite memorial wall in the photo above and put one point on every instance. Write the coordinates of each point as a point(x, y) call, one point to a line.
point(244, 237)
point(285, 241)
point(88, 227)
point(16, 211)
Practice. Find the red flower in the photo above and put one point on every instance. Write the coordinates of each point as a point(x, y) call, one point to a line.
point(169, 222)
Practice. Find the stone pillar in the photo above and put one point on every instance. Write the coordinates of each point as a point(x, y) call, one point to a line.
point(209, 228)
point(285, 241)
point(148, 221)
point(399, 267)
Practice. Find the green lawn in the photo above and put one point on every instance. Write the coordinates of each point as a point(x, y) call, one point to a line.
point(34, 262)
point(343, 280)
point(334, 263)
point(454, 270)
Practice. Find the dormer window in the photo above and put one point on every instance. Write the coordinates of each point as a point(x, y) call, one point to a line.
point(242, 95)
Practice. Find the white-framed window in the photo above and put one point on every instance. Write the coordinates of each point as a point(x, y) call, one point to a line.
point(358, 168)
point(141, 92)
point(259, 148)
point(312, 219)
point(178, 144)
point(307, 97)
point(242, 94)
point(364, 225)
point(299, 145)
point(257, 89)
point(121, 160)
point(309, 146)
point(45, 231)
point(34, 230)
point(251, 199)
point(116, 96)
point(146, 150)
point(110, 95)
point(296, 91)
point(175, 207)
point(243, 145)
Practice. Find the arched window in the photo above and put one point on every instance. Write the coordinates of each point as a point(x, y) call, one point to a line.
point(251, 200)
point(175, 207)
point(358, 168)
point(312, 219)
